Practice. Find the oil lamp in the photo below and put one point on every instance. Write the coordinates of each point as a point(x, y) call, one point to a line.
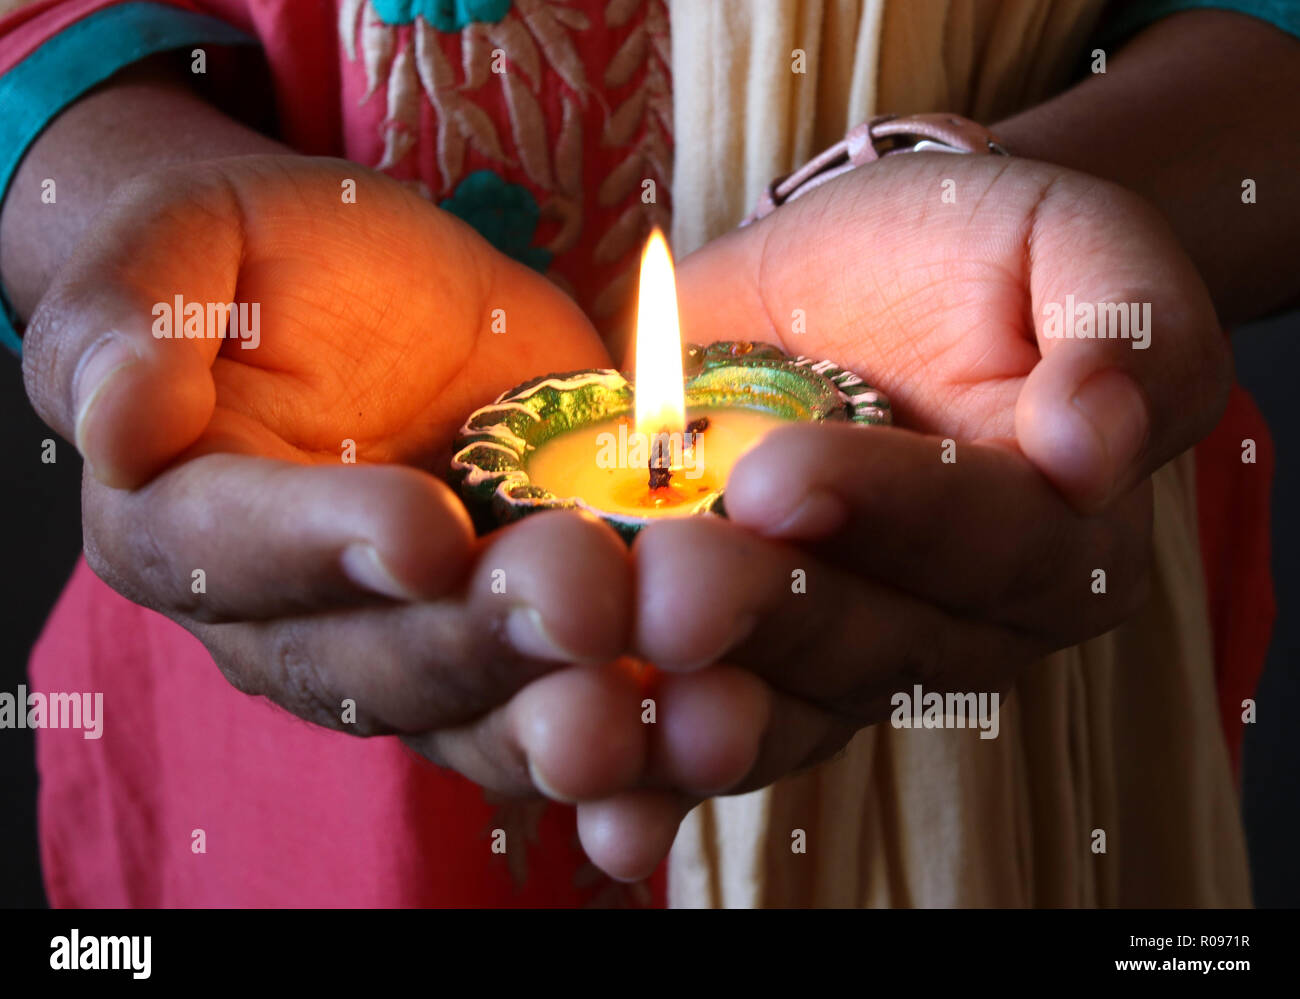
point(660, 447)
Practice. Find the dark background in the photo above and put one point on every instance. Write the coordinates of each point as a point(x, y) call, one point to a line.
point(41, 504)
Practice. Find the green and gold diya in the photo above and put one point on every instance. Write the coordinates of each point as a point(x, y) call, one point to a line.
point(591, 440)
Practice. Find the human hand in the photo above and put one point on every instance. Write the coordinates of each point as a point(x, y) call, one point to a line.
point(326, 580)
point(951, 575)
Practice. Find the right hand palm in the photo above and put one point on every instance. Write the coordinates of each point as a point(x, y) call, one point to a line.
point(327, 580)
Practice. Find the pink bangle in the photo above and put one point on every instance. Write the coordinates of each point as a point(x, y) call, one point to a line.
point(884, 135)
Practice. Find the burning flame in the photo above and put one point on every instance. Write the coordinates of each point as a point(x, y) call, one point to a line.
point(660, 398)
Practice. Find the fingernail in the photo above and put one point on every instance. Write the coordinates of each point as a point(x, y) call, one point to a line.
point(361, 564)
point(1114, 407)
point(95, 371)
point(819, 514)
point(527, 635)
point(543, 785)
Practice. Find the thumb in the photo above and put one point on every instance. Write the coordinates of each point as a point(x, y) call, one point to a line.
point(93, 368)
point(1135, 368)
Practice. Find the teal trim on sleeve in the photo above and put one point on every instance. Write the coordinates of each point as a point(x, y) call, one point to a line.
point(1133, 16)
point(77, 59)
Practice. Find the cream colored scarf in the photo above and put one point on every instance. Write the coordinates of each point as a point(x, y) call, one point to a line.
point(1120, 735)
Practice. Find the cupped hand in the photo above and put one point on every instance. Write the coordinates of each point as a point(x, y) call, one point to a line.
point(935, 277)
point(219, 491)
point(949, 552)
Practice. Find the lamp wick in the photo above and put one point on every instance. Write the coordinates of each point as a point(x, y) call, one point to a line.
point(661, 468)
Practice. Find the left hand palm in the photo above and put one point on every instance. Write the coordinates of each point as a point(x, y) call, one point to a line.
point(952, 575)
point(929, 275)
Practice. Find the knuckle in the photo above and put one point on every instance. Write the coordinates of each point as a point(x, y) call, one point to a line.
point(920, 658)
point(923, 649)
point(156, 574)
point(297, 683)
point(232, 667)
point(99, 542)
point(447, 684)
point(103, 567)
point(461, 667)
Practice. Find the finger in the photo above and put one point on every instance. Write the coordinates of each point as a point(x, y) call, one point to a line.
point(573, 735)
point(94, 369)
point(1101, 413)
point(809, 628)
point(228, 537)
point(707, 728)
point(788, 734)
point(552, 590)
point(982, 534)
point(232, 538)
point(628, 835)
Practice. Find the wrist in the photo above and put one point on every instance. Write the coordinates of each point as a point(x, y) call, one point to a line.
point(143, 119)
